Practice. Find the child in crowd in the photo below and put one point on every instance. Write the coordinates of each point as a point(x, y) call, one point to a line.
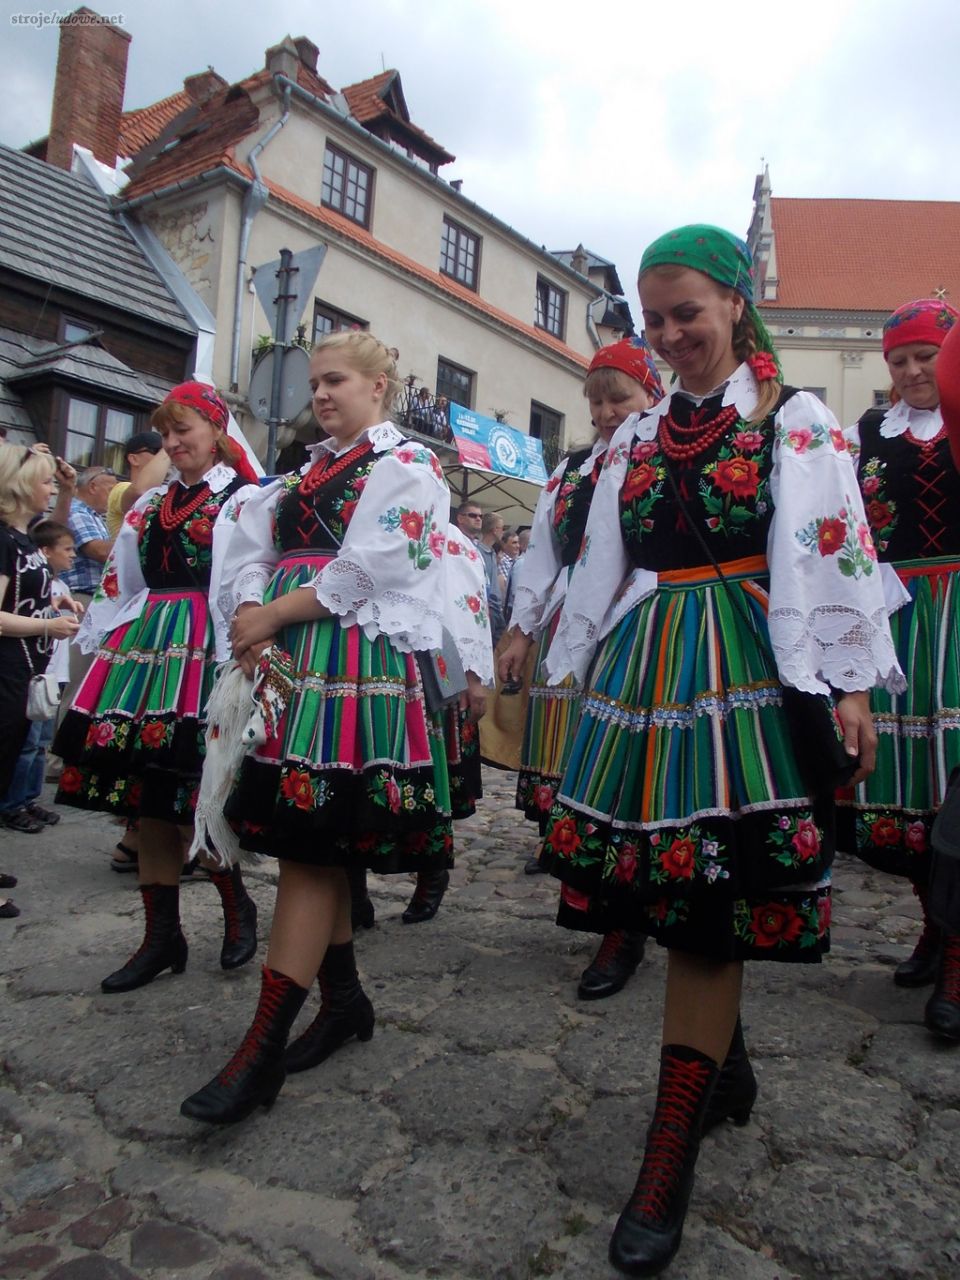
point(20, 809)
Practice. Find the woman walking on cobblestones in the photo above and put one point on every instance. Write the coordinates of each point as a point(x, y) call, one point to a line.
point(911, 491)
point(728, 536)
point(622, 379)
point(341, 568)
point(133, 741)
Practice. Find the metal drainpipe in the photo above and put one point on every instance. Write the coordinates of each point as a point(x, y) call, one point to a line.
point(592, 329)
point(254, 200)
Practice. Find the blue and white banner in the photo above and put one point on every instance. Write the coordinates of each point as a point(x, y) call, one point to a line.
point(487, 445)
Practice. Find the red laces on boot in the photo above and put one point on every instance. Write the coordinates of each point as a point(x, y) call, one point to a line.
point(609, 948)
point(950, 970)
point(681, 1091)
point(271, 997)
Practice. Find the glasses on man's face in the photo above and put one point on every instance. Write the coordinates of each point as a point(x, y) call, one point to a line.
point(473, 515)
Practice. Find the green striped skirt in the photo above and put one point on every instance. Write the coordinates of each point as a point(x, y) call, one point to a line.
point(133, 741)
point(918, 731)
point(552, 713)
point(682, 811)
point(358, 770)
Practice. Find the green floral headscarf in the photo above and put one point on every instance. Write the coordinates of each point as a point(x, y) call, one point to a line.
point(724, 258)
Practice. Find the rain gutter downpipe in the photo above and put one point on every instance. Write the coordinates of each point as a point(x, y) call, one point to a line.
point(254, 200)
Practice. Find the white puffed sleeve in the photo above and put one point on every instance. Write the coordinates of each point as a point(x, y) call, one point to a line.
point(828, 615)
point(538, 570)
point(121, 592)
point(224, 531)
point(465, 605)
point(604, 585)
point(251, 556)
point(388, 574)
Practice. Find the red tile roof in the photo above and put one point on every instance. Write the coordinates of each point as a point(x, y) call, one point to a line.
point(864, 255)
point(367, 102)
point(228, 117)
point(141, 127)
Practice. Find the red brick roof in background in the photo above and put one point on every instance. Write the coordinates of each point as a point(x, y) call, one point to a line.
point(141, 127)
point(865, 255)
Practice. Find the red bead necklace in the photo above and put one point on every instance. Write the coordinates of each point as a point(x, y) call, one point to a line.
point(926, 444)
point(171, 518)
point(682, 443)
point(325, 468)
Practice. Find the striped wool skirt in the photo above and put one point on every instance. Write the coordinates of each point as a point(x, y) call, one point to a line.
point(682, 812)
point(552, 713)
point(357, 771)
point(132, 743)
point(918, 731)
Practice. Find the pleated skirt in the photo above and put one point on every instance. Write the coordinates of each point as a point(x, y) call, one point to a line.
point(358, 772)
point(682, 812)
point(133, 741)
point(887, 820)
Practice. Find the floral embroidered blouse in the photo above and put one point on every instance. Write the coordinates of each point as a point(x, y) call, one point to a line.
point(385, 533)
point(559, 522)
point(784, 489)
point(465, 605)
point(145, 557)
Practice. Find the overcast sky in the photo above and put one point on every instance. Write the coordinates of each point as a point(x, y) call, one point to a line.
point(605, 124)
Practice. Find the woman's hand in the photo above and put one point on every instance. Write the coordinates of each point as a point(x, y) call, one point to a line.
point(859, 735)
point(511, 662)
point(68, 602)
point(61, 628)
point(66, 475)
point(474, 700)
point(253, 624)
point(248, 663)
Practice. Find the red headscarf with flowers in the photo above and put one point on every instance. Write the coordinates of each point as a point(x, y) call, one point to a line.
point(633, 357)
point(204, 400)
point(923, 320)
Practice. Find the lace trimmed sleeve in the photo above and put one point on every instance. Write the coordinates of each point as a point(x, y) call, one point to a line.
point(250, 555)
point(828, 616)
point(388, 574)
point(598, 575)
point(465, 600)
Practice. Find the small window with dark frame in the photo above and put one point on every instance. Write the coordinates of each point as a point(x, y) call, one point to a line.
point(455, 383)
point(546, 425)
point(459, 253)
point(96, 434)
point(347, 185)
point(551, 307)
point(881, 399)
point(72, 330)
point(327, 319)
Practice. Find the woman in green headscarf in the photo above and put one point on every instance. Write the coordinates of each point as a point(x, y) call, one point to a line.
point(725, 557)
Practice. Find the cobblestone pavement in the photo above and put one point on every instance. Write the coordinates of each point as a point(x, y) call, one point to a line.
point(491, 1128)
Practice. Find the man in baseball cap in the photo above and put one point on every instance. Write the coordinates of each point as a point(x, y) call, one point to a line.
point(138, 451)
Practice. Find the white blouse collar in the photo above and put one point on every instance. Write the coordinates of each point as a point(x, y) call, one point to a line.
point(217, 478)
point(925, 423)
point(383, 436)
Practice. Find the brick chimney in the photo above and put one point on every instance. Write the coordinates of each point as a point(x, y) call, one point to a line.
point(202, 86)
point(88, 91)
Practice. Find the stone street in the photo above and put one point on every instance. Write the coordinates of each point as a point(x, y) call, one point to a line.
point(492, 1127)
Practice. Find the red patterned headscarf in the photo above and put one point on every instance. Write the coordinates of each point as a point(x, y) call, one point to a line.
point(923, 320)
point(204, 400)
point(633, 357)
